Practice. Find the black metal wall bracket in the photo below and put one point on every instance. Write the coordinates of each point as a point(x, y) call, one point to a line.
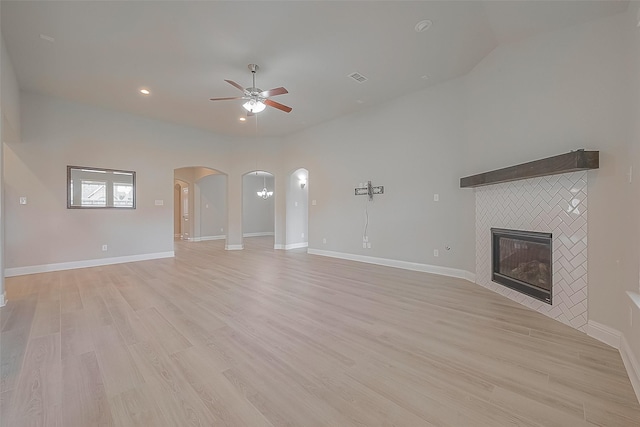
point(369, 190)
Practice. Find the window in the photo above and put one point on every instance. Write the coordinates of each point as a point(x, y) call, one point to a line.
point(100, 188)
point(122, 194)
point(94, 193)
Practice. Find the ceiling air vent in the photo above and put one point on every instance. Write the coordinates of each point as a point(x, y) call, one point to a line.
point(358, 77)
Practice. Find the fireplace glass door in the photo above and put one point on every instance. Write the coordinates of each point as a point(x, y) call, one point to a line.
point(522, 261)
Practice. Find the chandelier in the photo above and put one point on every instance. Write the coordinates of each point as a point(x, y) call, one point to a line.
point(264, 193)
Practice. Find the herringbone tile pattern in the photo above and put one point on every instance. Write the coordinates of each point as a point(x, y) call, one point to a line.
point(556, 204)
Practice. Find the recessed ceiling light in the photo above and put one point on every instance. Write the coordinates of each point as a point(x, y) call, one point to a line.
point(145, 91)
point(47, 38)
point(423, 26)
point(242, 119)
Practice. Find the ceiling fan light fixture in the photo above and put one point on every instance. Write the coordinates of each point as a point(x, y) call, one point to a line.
point(254, 106)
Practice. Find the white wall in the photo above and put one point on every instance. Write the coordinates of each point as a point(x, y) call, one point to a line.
point(631, 207)
point(257, 213)
point(57, 133)
point(9, 132)
point(213, 205)
point(412, 147)
point(10, 98)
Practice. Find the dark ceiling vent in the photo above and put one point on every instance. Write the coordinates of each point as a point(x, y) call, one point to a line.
point(358, 77)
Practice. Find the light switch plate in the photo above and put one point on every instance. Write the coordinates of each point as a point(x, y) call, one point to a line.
point(159, 202)
point(23, 200)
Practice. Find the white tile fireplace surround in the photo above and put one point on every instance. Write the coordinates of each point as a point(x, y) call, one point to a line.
point(554, 204)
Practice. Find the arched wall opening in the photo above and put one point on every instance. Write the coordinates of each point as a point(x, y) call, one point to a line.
point(180, 209)
point(202, 208)
point(258, 207)
point(297, 210)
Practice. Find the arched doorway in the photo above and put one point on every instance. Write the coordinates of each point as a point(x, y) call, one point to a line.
point(201, 208)
point(297, 210)
point(180, 210)
point(258, 209)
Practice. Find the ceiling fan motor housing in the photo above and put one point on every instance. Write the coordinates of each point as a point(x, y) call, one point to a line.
point(256, 97)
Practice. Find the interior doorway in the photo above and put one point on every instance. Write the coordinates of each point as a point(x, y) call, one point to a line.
point(258, 210)
point(200, 204)
point(181, 210)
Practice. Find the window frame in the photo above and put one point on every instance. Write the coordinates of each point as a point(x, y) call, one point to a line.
point(112, 177)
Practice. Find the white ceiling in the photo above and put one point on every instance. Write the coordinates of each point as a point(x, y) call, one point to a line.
point(104, 52)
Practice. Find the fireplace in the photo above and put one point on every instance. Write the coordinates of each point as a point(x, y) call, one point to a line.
point(521, 260)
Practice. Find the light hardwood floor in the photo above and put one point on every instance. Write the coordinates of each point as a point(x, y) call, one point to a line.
point(272, 338)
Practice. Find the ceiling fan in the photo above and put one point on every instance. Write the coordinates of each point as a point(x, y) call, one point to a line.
point(257, 99)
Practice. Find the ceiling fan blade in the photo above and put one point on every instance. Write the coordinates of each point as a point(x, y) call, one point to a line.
point(225, 99)
point(278, 105)
point(274, 92)
point(232, 83)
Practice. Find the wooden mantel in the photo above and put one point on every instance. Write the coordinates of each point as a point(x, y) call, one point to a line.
point(570, 162)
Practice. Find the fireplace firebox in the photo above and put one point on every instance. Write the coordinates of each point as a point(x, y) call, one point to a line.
point(521, 260)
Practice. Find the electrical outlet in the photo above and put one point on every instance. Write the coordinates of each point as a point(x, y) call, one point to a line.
point(436, 197)
point(302, 235)
point(368, 245)
point(104, 248)
point(23, 200)
point(295, 204)
point(221, 229)
point(436, 252)
point(313, 202)
point(324, 240)
point(364, 245)
point(159, 202)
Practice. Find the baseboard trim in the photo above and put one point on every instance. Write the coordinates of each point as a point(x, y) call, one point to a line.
point(218, 237)
point(3, 299)
point(632, 363)
point(617, 340)
point(234, 247)
point(46, 268)
point(405, 265)
point(206, 238)
point(604, 333)
point(258, 234)
point(291, 246)
point(296, 246)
